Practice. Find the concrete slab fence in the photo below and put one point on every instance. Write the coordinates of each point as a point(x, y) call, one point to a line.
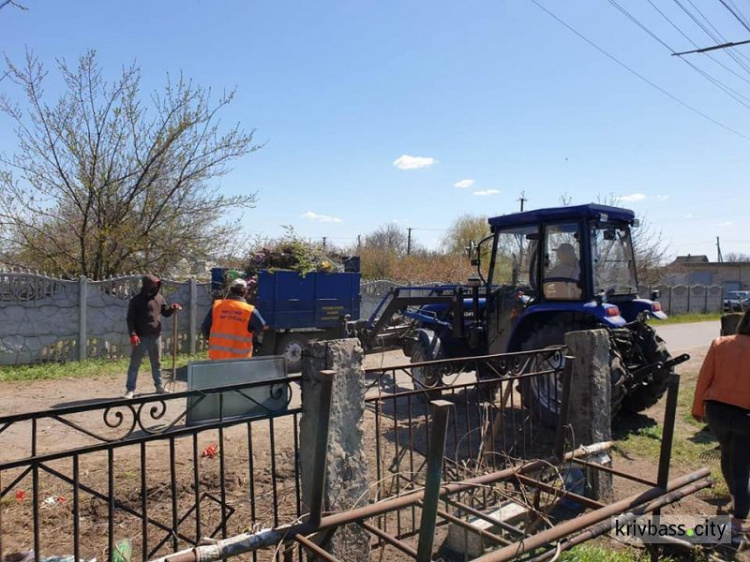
point(49, 319)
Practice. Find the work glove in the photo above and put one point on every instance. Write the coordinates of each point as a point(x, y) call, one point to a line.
point(135, 340)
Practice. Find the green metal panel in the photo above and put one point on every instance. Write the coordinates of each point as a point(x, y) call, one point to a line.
point(257, 401)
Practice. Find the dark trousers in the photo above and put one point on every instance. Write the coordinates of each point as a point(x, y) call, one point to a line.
point(152, 346)
point(731, 426)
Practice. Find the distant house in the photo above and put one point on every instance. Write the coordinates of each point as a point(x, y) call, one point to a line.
point(698, 270)
point(682, 260)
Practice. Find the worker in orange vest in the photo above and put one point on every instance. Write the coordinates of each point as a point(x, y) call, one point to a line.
point(230, 324)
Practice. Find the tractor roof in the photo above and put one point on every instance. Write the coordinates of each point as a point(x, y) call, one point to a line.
point(590, 211)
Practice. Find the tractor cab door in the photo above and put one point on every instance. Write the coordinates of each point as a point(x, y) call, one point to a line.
point(562, 277)
point(512, 281)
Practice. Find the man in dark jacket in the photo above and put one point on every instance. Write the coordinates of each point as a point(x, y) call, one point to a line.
point(144, 326)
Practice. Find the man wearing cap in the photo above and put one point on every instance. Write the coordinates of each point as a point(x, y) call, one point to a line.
point(565, 277)
point(145, 312)
point(230, 324)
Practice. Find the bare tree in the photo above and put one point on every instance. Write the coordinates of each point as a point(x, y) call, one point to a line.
point(390, 237)
point(648, 244)
point(736, 257)
point(100, 184)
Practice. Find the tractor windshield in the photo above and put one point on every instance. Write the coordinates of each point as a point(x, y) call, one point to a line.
point(614, 263)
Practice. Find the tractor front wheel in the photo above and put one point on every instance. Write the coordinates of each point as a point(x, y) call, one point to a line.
point(291, 346)
point(427, 378)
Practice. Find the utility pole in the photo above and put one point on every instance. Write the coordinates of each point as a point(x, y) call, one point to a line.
point(359, 244)
point(324, 242)
point(408, 242)
point(718, 250)
point(522, 199)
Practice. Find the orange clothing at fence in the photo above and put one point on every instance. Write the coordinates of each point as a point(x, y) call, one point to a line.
point(725, 374)
point(230, 337)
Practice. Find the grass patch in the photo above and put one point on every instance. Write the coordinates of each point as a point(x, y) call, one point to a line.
point(693, 446)
point(85, 369)
point(592, 553)
point(688, 318)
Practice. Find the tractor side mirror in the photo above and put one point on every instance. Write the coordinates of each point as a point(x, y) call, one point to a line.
point(473, 251)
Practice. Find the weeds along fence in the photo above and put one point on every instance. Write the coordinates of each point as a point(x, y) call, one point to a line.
point(78, 479)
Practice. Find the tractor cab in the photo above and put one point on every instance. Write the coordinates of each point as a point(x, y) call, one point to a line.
point(576, 261)
point(566, 254)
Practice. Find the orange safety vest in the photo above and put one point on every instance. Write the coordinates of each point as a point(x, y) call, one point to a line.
point(230, 338)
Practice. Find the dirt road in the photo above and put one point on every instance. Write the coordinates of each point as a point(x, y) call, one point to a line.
point(684, 337)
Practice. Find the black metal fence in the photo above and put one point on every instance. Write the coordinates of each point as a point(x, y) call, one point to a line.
point(81, 478)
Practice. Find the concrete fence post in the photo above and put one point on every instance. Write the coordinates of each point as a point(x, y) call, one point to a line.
point(346, 483)
point(590, 406)
point(83, 297)
point(670, 300)
point(193, 328)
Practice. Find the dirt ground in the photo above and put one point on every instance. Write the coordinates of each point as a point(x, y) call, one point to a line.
point(245, 451)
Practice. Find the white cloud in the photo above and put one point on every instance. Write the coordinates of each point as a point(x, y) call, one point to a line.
point(487, 192)
point(321, 218)
point(633, 197)
point(406, 162)
point(726, 223)
point(463, 184)
point(637, 197)
point(689, 216)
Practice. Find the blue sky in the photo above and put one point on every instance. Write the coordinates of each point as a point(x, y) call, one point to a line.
point(496, 92)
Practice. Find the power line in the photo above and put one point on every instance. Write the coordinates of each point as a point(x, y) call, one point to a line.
point(640, 76)
point(718, 37)
point(734, 94)
point(694, 44)
point(737, 9)
point(738, 18)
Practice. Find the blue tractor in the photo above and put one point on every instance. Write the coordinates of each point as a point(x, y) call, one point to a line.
point(541, 274)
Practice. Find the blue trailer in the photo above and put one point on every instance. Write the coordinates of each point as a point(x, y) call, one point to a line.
point(299, 309)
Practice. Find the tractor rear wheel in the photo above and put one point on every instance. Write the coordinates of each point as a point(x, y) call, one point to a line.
point(542, 395)
point(654, 349)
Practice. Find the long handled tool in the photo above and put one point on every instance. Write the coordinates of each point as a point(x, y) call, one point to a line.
point(173, 377)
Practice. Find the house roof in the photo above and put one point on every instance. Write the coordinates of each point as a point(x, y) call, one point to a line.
point(682, 260)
